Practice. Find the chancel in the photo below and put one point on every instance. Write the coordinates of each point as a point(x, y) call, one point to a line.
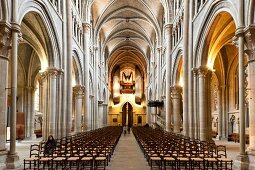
point(179, 75)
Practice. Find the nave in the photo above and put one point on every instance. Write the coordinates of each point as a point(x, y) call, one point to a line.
point(127, 153)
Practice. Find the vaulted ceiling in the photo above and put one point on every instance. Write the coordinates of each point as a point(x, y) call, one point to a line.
point(128, 30)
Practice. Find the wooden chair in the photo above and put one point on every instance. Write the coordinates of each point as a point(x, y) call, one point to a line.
point(33, 156)
point(223, 161)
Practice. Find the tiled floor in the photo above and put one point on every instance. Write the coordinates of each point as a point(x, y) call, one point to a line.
point(127, 154)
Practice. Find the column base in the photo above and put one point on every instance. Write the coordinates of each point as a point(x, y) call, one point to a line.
point(12, 162)
point(33, 136)
point(241, 162)
point(218, 137)
point(3, 155)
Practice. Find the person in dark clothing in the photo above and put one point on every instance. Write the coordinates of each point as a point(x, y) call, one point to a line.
point(50, 146)
point(128, 129)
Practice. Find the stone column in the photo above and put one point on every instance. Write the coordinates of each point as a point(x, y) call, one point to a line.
point(168, 30)
point(100, 114)
point(43, 104)
point(78, 93)
point(69, 68)
point(60, 115)
point(224, 113)
point(250, 43)
point(29, 111)
point(5, 37)
point(195, 103)
point(12, 160)
point(202, 71)
point(240, 35)
point(176, 95)
point(86, 38)
point(52, 76)
point(208, 104)
point(185, 68)
point(96, 61)
point(62, 121)
point(159, 50)
point(191, 112)
point(220, 117)
point(250, 39)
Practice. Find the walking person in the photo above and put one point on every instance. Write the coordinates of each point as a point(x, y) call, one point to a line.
point(125, 129)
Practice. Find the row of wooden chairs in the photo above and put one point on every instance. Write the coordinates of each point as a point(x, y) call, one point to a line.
point(87, 150)
point(167, 150)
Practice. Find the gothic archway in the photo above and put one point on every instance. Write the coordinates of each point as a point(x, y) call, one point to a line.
point(127, 114)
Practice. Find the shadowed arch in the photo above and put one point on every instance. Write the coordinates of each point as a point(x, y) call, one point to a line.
point(215, 9)
point(40, 11)
point(78, 67)
point(177, 67)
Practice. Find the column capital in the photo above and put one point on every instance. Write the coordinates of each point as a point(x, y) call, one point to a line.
point(5, 40)
point(195, 72)
point(51, 71)
point(249, 33)
point(176, 91)
point(86, 27)
point(159, 48)
point(16, 27)
point(79, 90)
point(202, 71)
point(239, 33)
point(95, 48)
point(168, 28)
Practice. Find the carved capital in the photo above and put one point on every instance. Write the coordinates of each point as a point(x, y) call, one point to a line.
point(86, 27)
point(168, 28)
point(52, 72)
point(202, 71)
point(239, 33)
point(195, 72)
point(176, 91)
point(249, 34)
point(159, 49)
point(79, 90)
point(5, 40)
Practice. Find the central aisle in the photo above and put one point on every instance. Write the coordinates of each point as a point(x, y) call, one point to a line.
point(128, 155)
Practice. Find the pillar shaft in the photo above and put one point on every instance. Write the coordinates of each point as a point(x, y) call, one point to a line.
point(185, 68)
point(5, 38)
point(241, 95)
point(220, 117)
point(14, 67)
point(195, 107)
point(69, 68)
point(191, 112)
point(52, 75)
point(87, 114)
point(251, 82)
point(96, 61)
point(203, 104)
point(168, 29)
point(78, 93)
point(176, 95)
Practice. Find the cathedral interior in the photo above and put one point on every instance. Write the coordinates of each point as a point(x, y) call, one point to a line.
point(178, 73)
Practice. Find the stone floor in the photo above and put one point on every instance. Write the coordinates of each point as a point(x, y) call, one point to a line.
point(127, 154)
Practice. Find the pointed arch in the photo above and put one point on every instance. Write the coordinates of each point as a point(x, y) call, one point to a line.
point(77, 66)
point(216, 8)
point(40, 10)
